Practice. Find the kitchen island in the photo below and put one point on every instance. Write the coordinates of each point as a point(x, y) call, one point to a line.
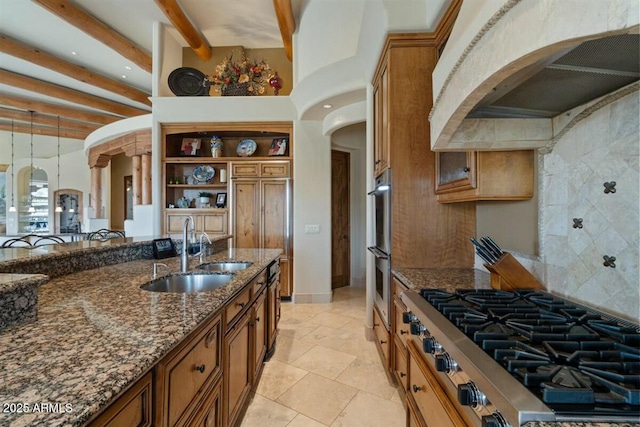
point(97, 332)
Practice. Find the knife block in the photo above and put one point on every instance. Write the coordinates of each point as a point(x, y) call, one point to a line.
point(508, 274)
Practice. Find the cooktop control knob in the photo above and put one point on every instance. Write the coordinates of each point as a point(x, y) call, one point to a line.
point(468, 394)
point(430, 345)
point(444, 363)
point(417, 328)
point(494, 420)
point(409, 317)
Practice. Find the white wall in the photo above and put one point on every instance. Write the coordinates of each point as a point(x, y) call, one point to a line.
point(311, 205)
point(327, 32)
point(352, 139)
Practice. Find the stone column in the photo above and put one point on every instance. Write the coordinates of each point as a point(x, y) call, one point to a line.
point(146, 179)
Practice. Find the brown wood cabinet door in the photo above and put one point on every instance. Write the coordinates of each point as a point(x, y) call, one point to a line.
point(274, 211)
point(210, 414)
point(237, 373)
point(246, 199)
point(260, 334)
point(215, 223)
point(273, 307)
point(132, 409)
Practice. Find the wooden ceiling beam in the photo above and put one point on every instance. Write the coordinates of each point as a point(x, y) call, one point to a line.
point(49, 89)
point(97, 29)
point(36, 56)
point(287, 24)
point(43, 130)
point(31, 104)
point(46, 120)
point(176, 15)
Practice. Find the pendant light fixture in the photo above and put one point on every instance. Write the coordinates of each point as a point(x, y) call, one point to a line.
point(31, 208)
point(12, 208)
point(58, 207)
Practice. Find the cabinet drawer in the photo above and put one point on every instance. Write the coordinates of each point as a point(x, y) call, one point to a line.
point(382, 336)
point(273, 169)
point(401, 329)
point(186, 374)
point(244, 169)
point(175, 222)
point(431, 401)
point(400, 364)
point(132, 409)
point(215, 223)
point(238, 305)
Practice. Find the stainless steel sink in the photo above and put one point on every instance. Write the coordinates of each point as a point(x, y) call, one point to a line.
point(225, 266)
point(188, 283)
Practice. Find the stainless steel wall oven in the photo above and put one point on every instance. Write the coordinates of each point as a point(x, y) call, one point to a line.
point(382, 248)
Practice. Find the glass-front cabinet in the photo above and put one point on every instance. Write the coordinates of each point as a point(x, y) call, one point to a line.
point(36, 196)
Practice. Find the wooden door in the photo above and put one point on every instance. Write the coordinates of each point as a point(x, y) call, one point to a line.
point(246, 211)
point(274, 211)
point(340, 229)
point(237, 373)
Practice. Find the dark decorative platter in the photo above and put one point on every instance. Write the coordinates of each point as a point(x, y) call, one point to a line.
point(187, 81)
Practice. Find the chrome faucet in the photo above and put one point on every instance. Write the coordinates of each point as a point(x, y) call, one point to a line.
point(202, 250)
point(184, 256)
point(155, 268)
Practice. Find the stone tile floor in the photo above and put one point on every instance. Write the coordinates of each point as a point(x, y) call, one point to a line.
point(324, 372)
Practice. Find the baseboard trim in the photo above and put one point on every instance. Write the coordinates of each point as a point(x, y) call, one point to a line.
point(299, 298)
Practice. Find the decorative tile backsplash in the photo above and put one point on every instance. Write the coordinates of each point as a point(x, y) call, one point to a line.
point(602, 148)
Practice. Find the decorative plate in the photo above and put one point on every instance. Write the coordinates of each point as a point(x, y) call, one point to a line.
point(203, 174)
point(185, 81)
point(246, 147)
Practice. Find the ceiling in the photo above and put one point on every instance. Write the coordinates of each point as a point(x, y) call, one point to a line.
point(31, 26)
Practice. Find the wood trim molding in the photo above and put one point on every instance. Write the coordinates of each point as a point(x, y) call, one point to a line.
point(31, 104)
point(176, 15)
point(287, 24)
point(47, 120)
point(98, 30)
point(43, 130)
point(445, 26)
point(36, 56)
point(98, 160)
point(35, 85)
point(132, 144)
point(3, 168)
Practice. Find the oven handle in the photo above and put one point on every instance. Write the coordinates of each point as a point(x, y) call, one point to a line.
point(378, 253)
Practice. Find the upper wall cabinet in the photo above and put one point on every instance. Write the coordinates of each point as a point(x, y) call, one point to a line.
point(484, 175)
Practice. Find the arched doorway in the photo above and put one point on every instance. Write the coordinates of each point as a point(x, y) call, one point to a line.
point(70, 219)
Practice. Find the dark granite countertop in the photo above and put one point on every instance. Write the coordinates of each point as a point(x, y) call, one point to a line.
point(97, 332)
point(450, 279)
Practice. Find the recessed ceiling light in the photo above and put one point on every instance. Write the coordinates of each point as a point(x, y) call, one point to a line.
point(74, 53)
point(124, 77)
point(327, 106)
point(127, 67)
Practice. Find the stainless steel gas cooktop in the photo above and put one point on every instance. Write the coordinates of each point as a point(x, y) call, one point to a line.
point(529, 355)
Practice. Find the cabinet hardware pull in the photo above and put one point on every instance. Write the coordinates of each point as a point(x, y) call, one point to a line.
point(416, 388)
point(210, 338)
point(241, 304)
point(376, 324)
point(200, 368)
point(383, 342)
point(466, 169)
point(402, 374)
point(257, 319)
point(402, 332)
